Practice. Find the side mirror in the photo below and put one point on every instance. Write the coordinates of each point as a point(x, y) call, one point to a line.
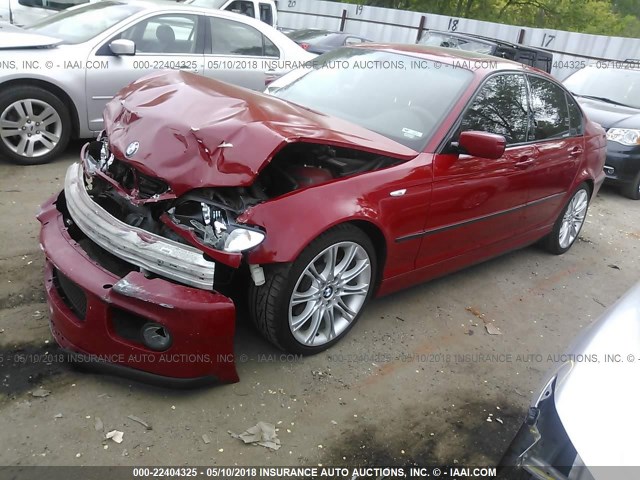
point(482, 144)
point(122, 47)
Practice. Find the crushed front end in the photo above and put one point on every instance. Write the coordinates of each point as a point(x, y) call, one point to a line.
point(131, 269)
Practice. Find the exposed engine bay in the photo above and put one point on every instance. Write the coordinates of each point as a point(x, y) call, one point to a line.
point(208, 215)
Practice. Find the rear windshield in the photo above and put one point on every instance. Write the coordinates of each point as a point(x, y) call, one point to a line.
point(311, 36)
point(436, 39)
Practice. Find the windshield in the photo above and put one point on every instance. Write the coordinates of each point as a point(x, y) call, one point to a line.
point(449, 41)
point(619, 85)
point(401, 97)
point(83, 23)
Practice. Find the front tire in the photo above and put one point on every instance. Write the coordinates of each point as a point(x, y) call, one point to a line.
point(35, 125)
point(309, 305)
point(632, 190)
point(569, 223)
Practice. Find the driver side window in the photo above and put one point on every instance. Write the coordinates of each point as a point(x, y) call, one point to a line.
point(165, 34)
point(501, 107)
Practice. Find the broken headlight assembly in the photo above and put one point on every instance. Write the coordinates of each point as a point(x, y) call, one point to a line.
point(213, 224)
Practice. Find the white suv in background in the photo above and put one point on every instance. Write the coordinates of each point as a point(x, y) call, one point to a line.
point(26, 12)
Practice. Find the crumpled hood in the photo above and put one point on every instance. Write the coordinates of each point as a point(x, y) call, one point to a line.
point(196, 132)
point(21, 39)
point(609, 115)
point(597, 402)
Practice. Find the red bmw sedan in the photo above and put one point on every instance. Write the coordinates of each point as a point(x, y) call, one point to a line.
point(371, 169)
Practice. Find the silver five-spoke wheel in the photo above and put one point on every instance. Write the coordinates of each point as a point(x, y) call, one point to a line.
point(573, 218)
point(30, 127)
point(329, 293)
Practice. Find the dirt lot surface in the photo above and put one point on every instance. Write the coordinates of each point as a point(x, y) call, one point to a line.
point(397, 390)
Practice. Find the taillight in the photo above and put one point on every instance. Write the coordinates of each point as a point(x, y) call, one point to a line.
point(304, 45)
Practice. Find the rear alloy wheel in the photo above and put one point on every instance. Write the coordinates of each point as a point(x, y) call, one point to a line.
point(309, 305)
point(570, 222)
point(632, 190)
point(34, 125)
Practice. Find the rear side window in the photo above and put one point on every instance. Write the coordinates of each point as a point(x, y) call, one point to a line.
point(575, 117)
point(550, 114)
point(500, 107)
point(229, 37)
point(266, 14)
point(243, 7)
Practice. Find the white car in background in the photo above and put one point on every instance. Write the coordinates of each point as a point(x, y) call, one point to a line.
point(583, 424)
point(263, 10)
point(58, 75)
point(27, 12)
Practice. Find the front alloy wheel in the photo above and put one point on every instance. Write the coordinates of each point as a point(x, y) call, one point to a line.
point(30, 127)
point(329, 293)
point(308, 305)
point(35, 125)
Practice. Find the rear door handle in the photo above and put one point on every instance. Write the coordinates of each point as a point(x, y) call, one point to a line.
point(575, 152)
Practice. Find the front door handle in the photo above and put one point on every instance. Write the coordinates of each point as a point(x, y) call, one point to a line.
point(575, 152)
point(525, 161)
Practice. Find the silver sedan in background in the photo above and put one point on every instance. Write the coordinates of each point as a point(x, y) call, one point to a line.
point(583, 424)
point(57, 75)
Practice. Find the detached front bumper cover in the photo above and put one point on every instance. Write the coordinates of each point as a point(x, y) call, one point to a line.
point(101, 315)
point(170, 259)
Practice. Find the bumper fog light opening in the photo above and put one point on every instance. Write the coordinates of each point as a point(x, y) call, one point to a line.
point(156, 336)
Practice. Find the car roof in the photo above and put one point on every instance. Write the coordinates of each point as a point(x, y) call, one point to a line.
point(485, 63)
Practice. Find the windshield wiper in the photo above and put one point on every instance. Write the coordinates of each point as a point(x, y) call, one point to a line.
point(602, 99)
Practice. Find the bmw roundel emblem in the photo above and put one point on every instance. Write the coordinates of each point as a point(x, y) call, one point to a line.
point(132, 148)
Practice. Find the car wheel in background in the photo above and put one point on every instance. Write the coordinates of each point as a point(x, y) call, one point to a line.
point(569, 223)
point(307, 306)
point(632, 190)
point(35, 125)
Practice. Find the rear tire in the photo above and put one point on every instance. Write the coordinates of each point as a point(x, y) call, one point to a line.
point(307, 306)
point(35, 125)
point(632, 190)
point(569, 223)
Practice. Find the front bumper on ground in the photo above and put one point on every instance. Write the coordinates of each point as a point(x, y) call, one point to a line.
point(100, 315)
